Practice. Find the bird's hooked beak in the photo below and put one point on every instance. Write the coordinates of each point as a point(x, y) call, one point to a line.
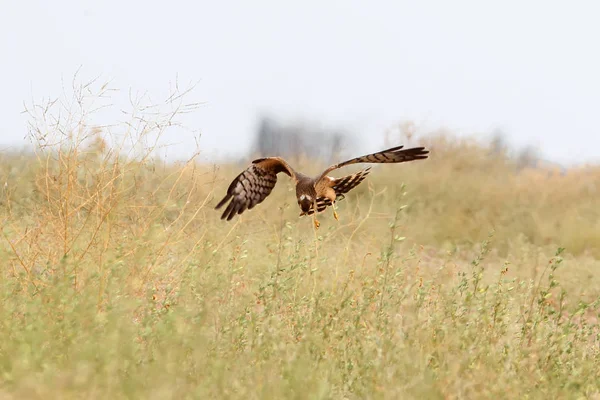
point(305, 202)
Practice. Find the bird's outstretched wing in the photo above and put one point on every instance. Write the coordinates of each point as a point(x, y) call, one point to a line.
point(393, 155)
point(253, 185)
point(341, 186)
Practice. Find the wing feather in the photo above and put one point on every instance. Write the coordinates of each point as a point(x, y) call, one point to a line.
point(341, 186)
point(253, 185)
point(392, 155)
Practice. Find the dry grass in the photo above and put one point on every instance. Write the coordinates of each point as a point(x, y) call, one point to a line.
point(118, 278)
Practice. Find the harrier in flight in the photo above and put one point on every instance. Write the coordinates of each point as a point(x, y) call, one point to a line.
point(255, 183)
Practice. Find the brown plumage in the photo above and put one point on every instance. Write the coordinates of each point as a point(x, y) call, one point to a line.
point(340, 186)
point(256, 182)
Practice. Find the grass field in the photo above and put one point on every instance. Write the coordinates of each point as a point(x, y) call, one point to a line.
point(444, 278)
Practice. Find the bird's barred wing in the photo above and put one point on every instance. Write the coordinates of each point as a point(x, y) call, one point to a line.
point(341, 186)
point(253, 185)
point(393, 155)
point(347, 183)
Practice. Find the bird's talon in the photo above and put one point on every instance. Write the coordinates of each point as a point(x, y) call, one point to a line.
point(335, 215)
point(317, 224)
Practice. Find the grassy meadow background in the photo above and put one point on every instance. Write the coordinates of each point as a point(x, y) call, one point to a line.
point(462, 276)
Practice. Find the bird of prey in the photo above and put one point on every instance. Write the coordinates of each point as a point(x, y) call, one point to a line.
point(314, 195)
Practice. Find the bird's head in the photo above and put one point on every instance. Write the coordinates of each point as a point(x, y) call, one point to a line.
point(305, 202)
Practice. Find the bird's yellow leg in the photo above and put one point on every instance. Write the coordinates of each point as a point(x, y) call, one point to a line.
point(315, 220)
point(335, 214)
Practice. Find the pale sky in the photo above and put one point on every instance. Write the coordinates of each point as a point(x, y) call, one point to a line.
point(530, 68)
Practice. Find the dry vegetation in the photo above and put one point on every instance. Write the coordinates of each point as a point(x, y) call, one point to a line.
point(443, 279)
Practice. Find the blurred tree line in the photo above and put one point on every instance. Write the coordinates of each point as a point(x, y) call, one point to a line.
point(294, 140)
point(526, 157)
point(300, 139)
